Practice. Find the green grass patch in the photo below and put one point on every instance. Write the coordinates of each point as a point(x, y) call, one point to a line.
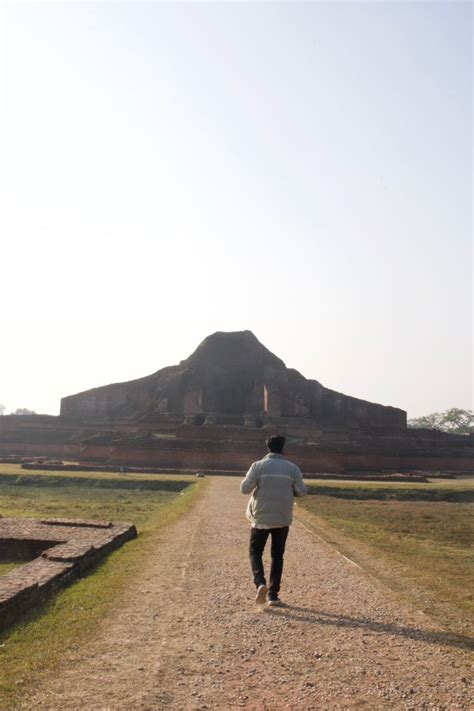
point(138, 506)
point(38, 643)
point(438, 490)
point(424, 541)
point(14, 475)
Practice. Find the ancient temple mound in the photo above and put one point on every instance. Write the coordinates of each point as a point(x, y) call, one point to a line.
point(231, 378)
point(214, 411)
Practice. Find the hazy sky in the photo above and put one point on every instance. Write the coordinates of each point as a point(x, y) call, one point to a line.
point(300, 170)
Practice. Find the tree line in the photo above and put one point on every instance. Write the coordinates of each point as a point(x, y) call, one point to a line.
point(18, 411)
point(454, 420)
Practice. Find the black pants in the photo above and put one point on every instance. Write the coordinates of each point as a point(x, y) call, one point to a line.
point(258, 539)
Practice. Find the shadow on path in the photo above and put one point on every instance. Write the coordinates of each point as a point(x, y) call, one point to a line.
point(317, 617)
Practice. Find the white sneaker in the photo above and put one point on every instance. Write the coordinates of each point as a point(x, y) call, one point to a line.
point(275, 602)
point(261, 595)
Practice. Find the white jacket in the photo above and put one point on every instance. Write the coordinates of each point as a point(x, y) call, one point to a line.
point(275, 481)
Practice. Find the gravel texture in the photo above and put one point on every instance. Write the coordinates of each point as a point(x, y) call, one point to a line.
point(188, 634)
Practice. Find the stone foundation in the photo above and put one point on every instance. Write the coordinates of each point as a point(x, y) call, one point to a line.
point(58, 550)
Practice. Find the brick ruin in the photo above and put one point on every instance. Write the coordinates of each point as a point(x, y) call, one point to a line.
point(231, 379)
point(56, 552)
point(214, 411)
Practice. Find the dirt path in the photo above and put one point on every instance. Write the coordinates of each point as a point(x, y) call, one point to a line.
point(190, 637)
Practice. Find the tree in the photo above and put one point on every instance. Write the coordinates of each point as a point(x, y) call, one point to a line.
point(2, 410)
point(23, 411)
point(457, 420)
point(429, 422)
point(454, 420)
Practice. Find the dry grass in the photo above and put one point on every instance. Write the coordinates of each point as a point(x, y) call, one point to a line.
point(418, 539)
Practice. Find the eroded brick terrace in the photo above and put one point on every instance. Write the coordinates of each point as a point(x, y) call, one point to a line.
point(56, 552)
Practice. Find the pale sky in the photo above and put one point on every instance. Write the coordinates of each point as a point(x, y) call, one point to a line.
point(302, 170)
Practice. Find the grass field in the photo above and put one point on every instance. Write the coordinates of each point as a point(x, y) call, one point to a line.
point(37, 643)
point(13, 474)
point(417, 538)
point(139, 506)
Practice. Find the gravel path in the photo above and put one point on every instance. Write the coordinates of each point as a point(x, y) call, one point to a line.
point(189, 636)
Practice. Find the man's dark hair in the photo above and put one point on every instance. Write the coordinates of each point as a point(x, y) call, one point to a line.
point(275, 444)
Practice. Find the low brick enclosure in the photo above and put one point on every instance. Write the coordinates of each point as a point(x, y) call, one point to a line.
point(57, 551)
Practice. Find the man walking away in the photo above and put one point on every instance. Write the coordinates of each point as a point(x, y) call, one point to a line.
point(274, 481)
